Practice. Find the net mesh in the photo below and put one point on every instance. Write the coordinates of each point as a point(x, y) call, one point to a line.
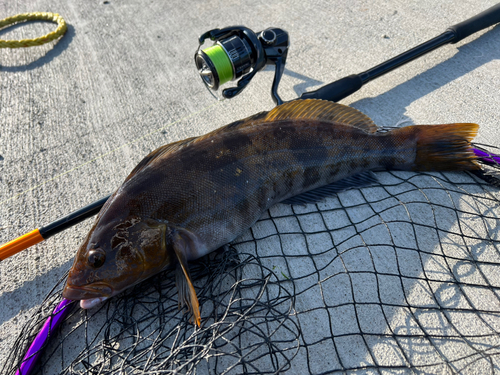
point(398, 277)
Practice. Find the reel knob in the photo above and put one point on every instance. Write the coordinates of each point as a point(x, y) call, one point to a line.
point(268, 36)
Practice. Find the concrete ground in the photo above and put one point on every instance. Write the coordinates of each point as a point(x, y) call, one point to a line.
point(77, 115)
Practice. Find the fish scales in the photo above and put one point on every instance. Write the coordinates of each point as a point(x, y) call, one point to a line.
point(193, 196)
point(232, 178)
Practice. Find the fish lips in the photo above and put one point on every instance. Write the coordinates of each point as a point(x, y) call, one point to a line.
point(96, 290)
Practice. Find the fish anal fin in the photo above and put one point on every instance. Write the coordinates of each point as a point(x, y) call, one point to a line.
point(323, 110)
point(187, 294)
point(362, 179)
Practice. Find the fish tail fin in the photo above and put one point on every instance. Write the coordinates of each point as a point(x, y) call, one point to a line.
point(445, 147)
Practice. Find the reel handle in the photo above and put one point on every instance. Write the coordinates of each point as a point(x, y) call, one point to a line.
point(231, 92)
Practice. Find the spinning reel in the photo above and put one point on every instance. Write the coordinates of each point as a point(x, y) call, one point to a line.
point(240, 52)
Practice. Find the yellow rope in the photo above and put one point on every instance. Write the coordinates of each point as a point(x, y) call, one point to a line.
point(51, 17)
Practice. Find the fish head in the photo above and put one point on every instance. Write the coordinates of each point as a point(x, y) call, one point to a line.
point(115, 256)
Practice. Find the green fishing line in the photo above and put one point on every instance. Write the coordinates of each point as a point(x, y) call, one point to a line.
point(221, 61)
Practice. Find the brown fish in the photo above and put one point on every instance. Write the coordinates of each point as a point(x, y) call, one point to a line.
point(190, 197)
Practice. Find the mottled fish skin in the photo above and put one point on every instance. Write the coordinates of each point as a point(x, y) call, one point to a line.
point(220, 185)
point(212, 188)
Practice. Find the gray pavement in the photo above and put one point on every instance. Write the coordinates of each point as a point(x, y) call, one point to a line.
point(76, 116)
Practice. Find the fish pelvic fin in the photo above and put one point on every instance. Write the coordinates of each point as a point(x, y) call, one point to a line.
point(187, 294)
point(443, 147)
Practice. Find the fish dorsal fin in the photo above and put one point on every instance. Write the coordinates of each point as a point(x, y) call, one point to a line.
point(237, 125)
point(153, 155)
point(175, 146)
point(314, 109)
point(307, 109)
point(187, 294)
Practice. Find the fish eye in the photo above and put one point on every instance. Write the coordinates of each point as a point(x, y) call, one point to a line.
point(96, 258)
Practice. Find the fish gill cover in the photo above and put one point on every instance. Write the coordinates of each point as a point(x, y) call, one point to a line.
point(411, 266)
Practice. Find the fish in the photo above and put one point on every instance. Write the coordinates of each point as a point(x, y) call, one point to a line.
point(191, 197)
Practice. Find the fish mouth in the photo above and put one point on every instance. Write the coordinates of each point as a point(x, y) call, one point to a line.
point(87, 292)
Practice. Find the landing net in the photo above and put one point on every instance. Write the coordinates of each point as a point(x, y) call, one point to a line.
point(400, 277)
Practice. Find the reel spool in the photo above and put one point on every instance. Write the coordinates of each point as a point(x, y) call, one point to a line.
point(240, 52)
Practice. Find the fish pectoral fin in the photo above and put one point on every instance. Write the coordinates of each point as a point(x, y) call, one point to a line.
point(187, 294)
point(362, 179)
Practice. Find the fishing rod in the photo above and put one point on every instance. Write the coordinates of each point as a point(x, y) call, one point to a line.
point(240, 53)
point(237, 53)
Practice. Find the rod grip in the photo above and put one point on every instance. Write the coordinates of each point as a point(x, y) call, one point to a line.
point(337, 90)
point(480, 21)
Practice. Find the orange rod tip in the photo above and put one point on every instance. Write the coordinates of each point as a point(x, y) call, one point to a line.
point(20, 243)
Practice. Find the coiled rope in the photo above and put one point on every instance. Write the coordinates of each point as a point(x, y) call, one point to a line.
point(51, 17)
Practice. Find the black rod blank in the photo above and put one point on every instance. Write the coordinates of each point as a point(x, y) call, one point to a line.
point(334, 91)
point(73, 218)
point(346, 86)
